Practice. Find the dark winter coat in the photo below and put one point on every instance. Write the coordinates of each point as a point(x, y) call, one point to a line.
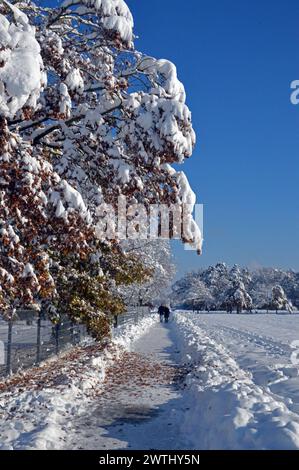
point(161, 310)
point(166, 312)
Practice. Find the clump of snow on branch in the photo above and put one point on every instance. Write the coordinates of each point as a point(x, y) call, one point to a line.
point(162, 67)
point(114, 15)
point(67, 200)
point(21, 66)
point(165, 125)
point(65, 100)
point(74, 81)
point(192, 233)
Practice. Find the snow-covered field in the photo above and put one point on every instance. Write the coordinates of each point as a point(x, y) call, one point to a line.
point(243, 385)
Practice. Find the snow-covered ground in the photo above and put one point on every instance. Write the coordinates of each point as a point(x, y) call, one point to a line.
point(203, 381)
point(142, 403)
point(38, 406)
point(243, 386)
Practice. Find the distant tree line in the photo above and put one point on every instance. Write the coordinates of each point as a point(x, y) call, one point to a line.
point(221, 287)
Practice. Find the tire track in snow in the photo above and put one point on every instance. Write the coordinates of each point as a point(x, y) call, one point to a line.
point(272, 346)
point(229, 409)
point(258, 354)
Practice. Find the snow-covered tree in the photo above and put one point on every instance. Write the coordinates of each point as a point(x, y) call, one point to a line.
point(217, 279)
point(198, 296)
point(265, 279)
point(192, 292)
point(279, 300)
point(180, 290)
point(236, 287)
point(157, 259)
point(115, 119)
point(30, 225)
point(238, 298)
point(85, 118)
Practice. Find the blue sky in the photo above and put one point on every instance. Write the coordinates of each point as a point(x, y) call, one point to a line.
point(236, 59)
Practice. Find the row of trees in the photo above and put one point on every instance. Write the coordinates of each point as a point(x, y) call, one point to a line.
point(220, 287)
point(84, 118)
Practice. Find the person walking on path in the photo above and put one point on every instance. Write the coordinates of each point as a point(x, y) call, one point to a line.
point(166, 314)
point(161, 313)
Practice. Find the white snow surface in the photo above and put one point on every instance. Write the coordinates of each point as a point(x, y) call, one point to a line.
point(243, 389)
point(139, 416)
point(227, 402)
point(40, 419)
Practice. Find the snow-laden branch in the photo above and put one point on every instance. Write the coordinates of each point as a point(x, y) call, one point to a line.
point(22, 74)
point(39, 135)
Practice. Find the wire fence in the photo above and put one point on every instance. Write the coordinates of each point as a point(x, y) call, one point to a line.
point(30, 340)
point(132, 316)
point(25, 344)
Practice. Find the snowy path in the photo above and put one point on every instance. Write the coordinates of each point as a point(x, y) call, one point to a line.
point(200, 382)
point(141, 404)
point(241, 390)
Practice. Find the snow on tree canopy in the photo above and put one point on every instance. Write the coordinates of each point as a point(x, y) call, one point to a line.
point(109, 122)
point(192, 233)
point(30, 221)
point(74, 81)
point(262, 288)
point(115, 16)
point(21, 66)
point(164, 123)
point(280, 300)
point(173, 87)
point(163, 109)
